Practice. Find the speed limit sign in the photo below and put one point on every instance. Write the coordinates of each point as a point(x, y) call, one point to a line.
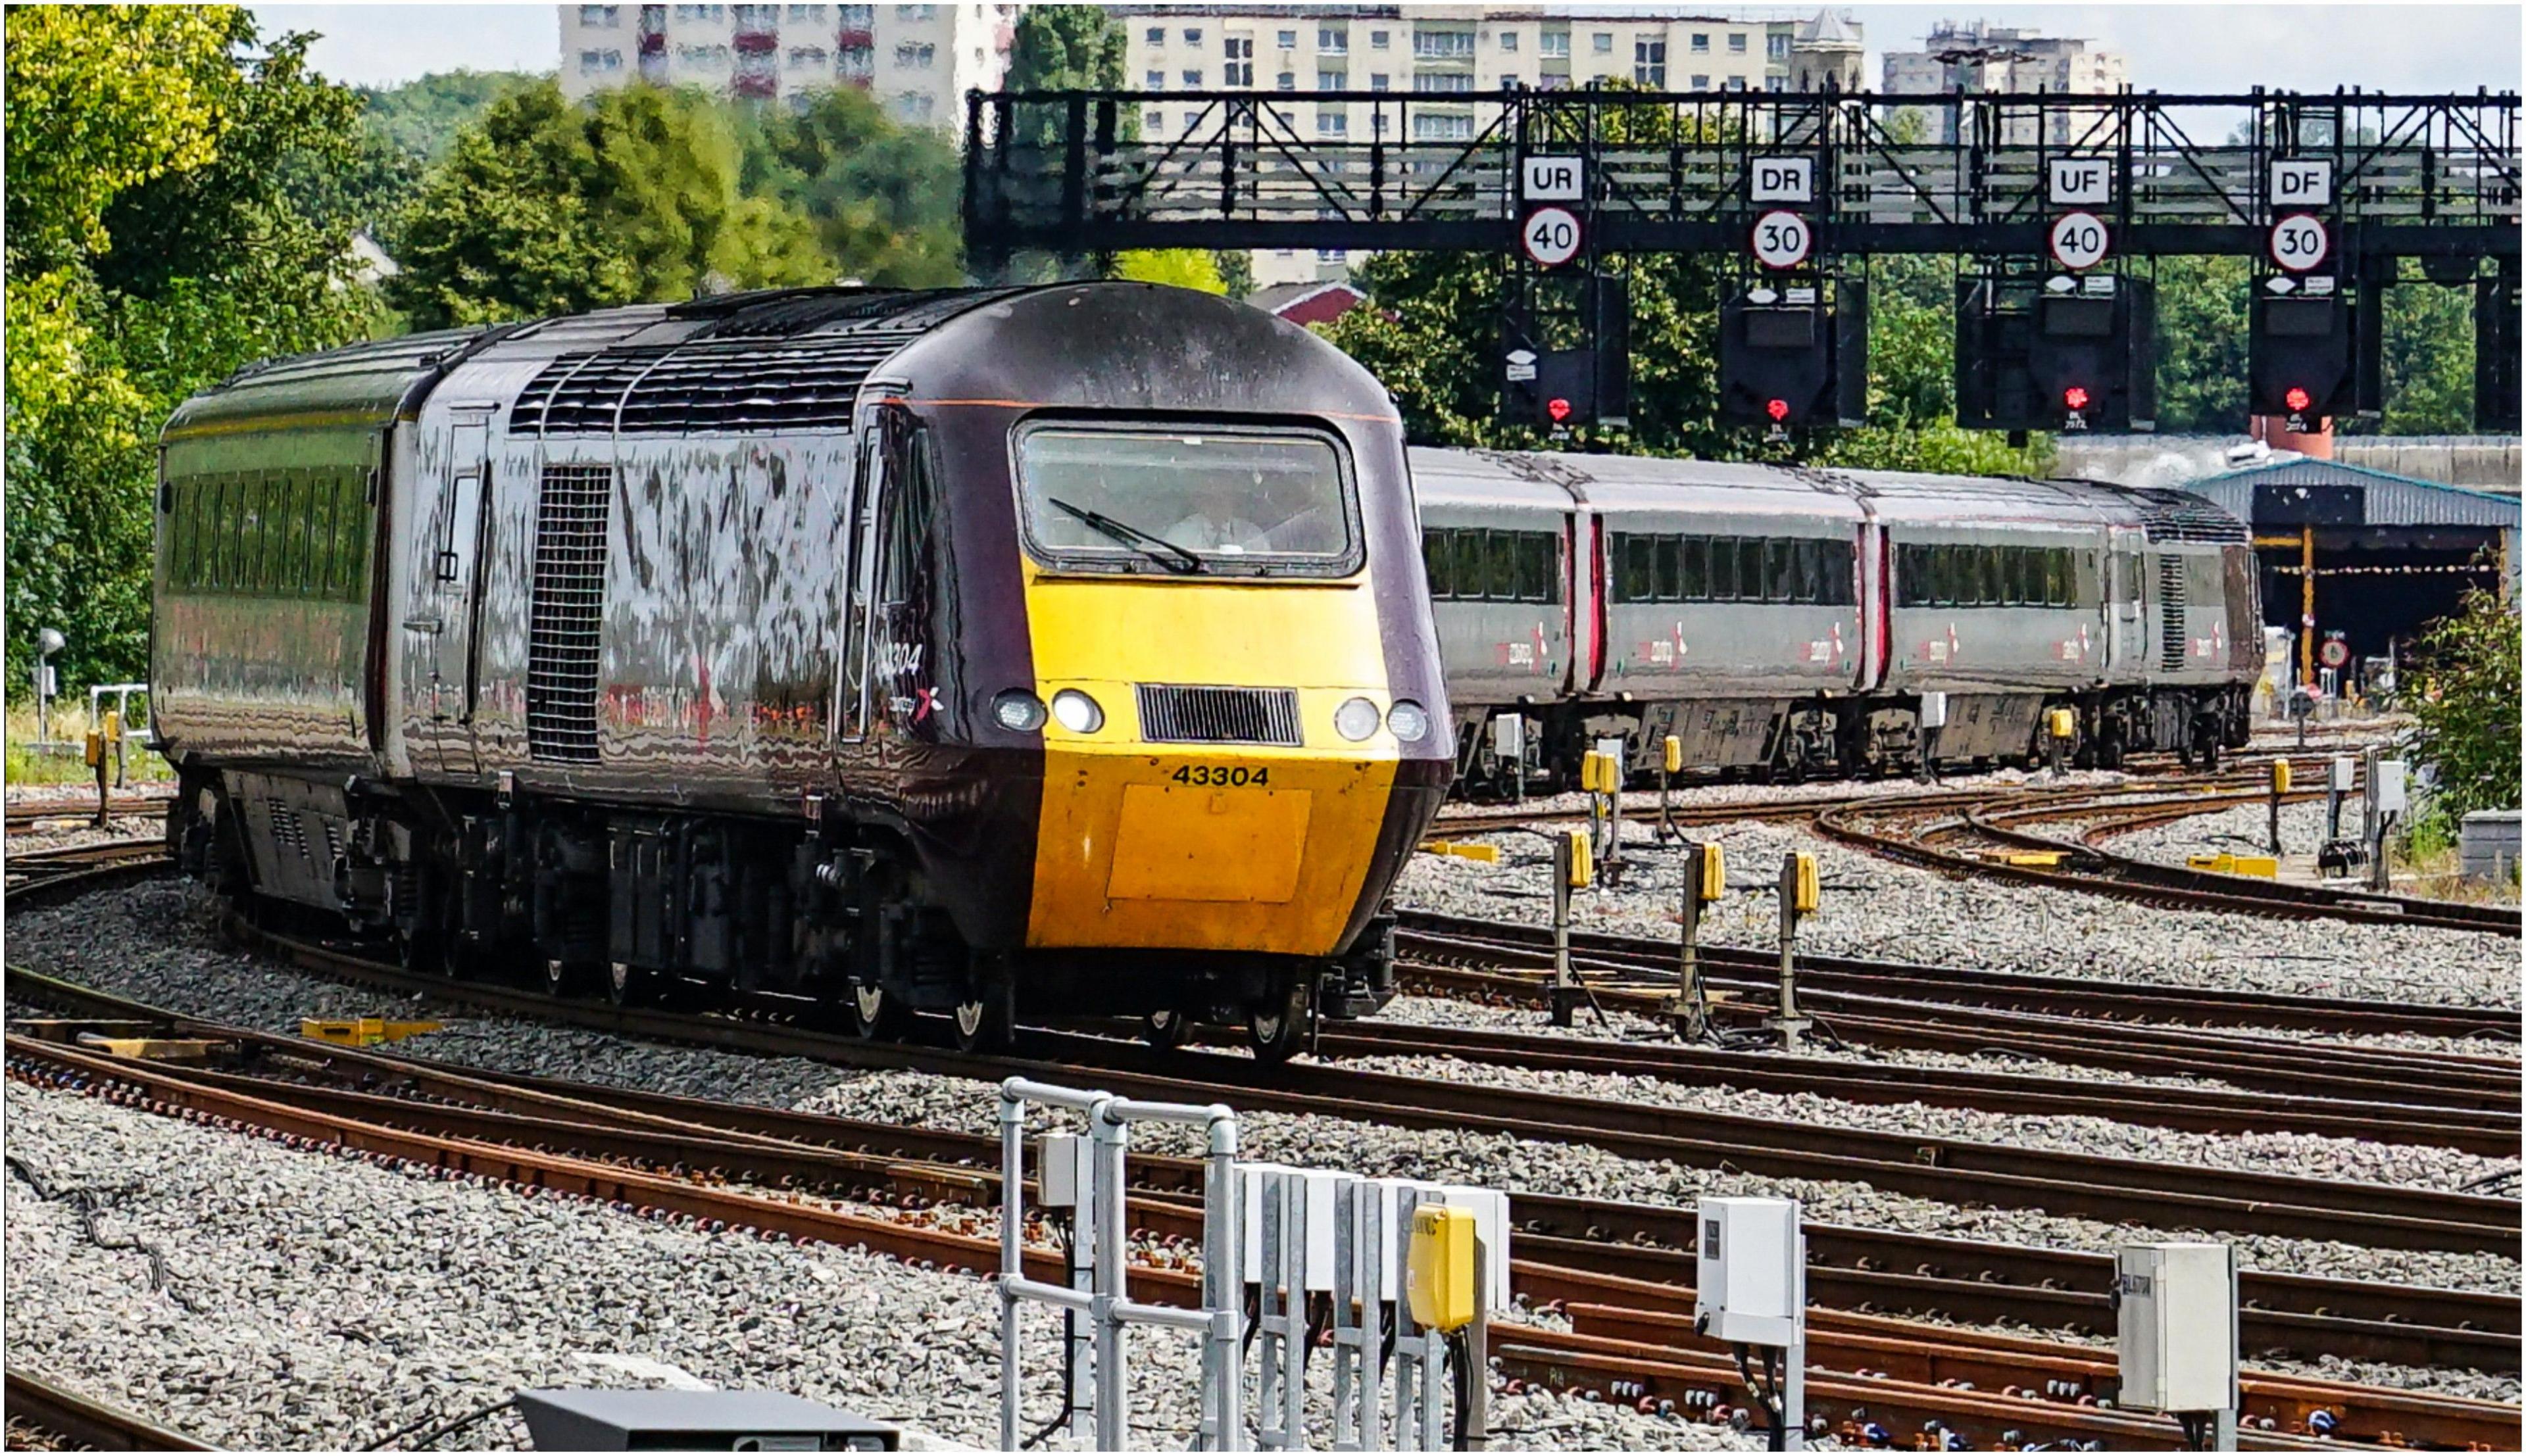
point(2299, 242)
point(2335, 652)
point(2079, 241)
point(1782, 239)
point(1551, 235)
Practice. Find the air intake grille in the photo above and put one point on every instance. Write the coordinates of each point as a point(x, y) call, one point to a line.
point(1219, 715)
point(2170, 613)
point(565, 610)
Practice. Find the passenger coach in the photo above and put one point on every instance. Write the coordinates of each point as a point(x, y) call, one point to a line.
point(920, 650)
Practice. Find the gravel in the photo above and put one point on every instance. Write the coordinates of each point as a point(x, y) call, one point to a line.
point(152, 944)
point(74, 831)
point(1874, 907)
point(320, 1303)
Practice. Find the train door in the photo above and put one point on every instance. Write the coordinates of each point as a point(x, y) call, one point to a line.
point(459, 499)
point(2127, 643)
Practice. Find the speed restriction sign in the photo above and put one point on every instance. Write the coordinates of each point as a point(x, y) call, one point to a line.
point(2335, 652)
point(1782, 239)
point(1551, 235)
point(2079, 241)
point(2299, 242)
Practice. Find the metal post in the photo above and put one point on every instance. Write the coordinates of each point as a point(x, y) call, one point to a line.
point(1475, 1420)
point(1692, 1009)
point(1666, 810)
point(2276, 809)
point(2372, 833)
point(1012, 1256)
point(1564, 985)
point(1113, 1417)
point(1787, 1022)
point(1225, 1425)
point(1612, 862)
point(1794, 1362)
point(1272, 1336)
point(1359, 1317)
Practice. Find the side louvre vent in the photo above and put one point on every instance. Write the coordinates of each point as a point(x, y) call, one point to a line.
point(1219, 715)
point(2170, 613)
point(565, 610)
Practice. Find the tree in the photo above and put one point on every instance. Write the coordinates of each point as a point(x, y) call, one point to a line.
point(881, 197)
point(1184, 267)
point(2428, 352)
point(549, 207)
point(1066, 48)
point(163, 231)
point(424, 117)
point(2467, 666)
point(2202, 339)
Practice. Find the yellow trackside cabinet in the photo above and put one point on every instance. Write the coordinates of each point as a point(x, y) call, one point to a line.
point(1674, 754)
point(1714, 872)
point(2062, 723)
point(1442, 1267)
point(1582, 860)
point(2280, 775)
point(1809, 886)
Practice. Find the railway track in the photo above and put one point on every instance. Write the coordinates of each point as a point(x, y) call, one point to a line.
point(1901, 832)
point(24, 817)
point(644, 1150)
point(34, 866)
point(81, 1422)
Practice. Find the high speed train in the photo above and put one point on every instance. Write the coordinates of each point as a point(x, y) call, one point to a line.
point(949, 651)
point(1784, 622)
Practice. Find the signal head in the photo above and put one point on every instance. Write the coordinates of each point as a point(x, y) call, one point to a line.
point(2075, 397)
point(1778, 408)
point(2297, 399)
point(1558, 408)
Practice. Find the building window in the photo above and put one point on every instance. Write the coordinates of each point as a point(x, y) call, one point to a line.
point(856, 63)
point(1155, 80)
point(1440, 81)
point(1378, 81)
point(812, 13)
point(807, 55)
point(910, 57)
point(1700, 43)
point(1192, 79)
point(1239, 70)
point(600, 17)
point(1193, 35)
point(1157, 35)
point(1549, 83)
point(1778, 46)
point(711, 13)
point(1442, 45)
point(1376, 123)
point(1332, 40)
point(1154, 121)
point(1287, 39)
point(1553, 45)
point(915, 107)
point(1737, 44)
point(757, 17)
point(1509, 81)
point(858, 16)
point(1287, 81)
point(1775, 83)
point(917, 12)
point(1509, 41)
point(1333, 122)
point(1649, 63)
point(1603, 42)
point(1735, 83)
point(1377, 40)
point(1701, 83)
point(1428, 127)
point(1332, 80)
point(598, 61)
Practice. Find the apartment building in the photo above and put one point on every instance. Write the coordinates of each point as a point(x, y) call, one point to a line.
point(1979, 58)
point(1435, 51)
point(918, 60)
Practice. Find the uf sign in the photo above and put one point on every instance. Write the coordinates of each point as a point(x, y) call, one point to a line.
point(2082, 182)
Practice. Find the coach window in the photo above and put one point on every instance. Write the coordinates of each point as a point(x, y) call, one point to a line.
point(1501, 581)
point(1780, 575)
point(1695, 582)
point(1536, 558)
point(1438, 562)
point(1723, 568)
point(1993, 591)
point(1639, 570)
point(1749, 569)
point(2012, 576)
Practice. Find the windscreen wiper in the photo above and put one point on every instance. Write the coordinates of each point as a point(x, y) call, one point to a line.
point(1159, 549)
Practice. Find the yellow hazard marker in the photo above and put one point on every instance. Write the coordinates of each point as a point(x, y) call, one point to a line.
point(364, 1030)
point(2256, 865)
point(1488, 854)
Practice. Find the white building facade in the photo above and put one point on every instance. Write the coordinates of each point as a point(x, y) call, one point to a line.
point(1434, 51)
point(917, 59)
point(2006, 61)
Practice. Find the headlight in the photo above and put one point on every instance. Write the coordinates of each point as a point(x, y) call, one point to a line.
point(1017, 710)
point(1408, 721)
point(1076, 711)
point(1356, 719)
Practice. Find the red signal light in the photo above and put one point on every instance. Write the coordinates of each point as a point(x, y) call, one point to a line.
point(1778, 408)
point(2297, 400)
point(1558, 408)
point(2075, 397)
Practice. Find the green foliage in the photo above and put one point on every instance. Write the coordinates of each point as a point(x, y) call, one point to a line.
point(551, 208)
point(2428, 353)
point(166, 232)
point(882, 198)
point(1066, 48)
point(2201, 340)
point(1183, 268)
point(2467, 708)
point(1235, 269)
point(423, 118)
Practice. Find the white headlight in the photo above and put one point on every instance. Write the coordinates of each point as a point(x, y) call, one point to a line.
point(1408, 721)
point(1356, 720)
point(1017, 710)
point(1076, 711)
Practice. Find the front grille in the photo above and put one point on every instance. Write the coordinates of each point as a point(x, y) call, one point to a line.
point(2170, 614)
point(1219, 715)
point(564, 611)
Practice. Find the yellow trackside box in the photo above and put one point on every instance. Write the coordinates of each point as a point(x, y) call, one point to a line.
point(1601, 772)
point(2280, 775)
point(1442, 1267)
point(2260, 866)
point(1674, 751)
point(1808, 888)
point(95, 748)
point(1714, 872)
point(2062, 723)
point(1582, 860)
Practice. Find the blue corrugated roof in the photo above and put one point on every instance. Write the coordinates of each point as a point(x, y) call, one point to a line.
point(2394, 500)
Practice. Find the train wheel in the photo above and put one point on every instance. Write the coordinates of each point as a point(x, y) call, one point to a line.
point(1277, 1025)
point(565, 980)
point(877, 1015)
point(1167, 1029)
point(626, 984)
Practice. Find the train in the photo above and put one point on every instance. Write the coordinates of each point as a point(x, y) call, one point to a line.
point(910, 652)
point(1784, 622)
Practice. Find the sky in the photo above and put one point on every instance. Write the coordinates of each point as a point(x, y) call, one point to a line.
point(2197, 48)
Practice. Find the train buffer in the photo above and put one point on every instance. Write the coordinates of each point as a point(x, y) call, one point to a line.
point(363, 1031)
